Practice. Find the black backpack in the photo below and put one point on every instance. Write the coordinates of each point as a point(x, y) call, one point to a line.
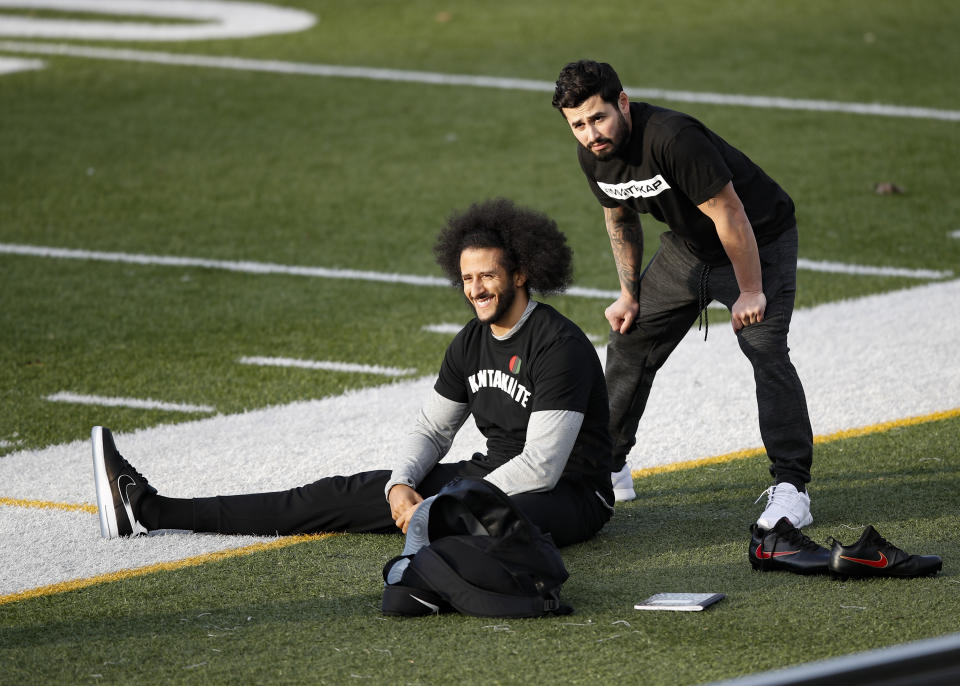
point(470, 550)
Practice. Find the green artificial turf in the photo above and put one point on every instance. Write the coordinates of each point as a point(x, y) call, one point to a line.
point(310, 613)
point(126, 157)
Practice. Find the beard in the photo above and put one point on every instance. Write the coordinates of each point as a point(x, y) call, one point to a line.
point(504, 301)
point(616, 143)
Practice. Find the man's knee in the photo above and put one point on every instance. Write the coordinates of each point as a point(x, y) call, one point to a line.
point(764, 339)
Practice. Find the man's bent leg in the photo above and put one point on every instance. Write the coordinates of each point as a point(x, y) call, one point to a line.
point(572, 512)
point(781, 403)
point(668, 308)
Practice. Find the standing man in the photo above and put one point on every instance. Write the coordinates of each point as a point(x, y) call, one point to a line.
point(527, 374)
point(732, 237)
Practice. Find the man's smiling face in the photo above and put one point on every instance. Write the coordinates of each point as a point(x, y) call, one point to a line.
point(490, 290)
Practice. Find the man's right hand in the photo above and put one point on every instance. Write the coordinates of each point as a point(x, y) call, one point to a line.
point(403, 503)
point(622, 313)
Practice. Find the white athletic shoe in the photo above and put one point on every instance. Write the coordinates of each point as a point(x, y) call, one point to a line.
point(623, 485)
point(783, 500)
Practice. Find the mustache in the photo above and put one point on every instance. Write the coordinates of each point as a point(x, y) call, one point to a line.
point(601, 141)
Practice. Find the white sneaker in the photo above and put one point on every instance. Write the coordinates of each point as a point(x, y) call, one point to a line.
point(623, 485)
point(783, 500)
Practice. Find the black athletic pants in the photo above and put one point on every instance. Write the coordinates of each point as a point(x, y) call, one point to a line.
point(572, 512)
point(674, 288)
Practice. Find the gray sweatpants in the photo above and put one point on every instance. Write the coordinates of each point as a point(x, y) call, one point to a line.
point(674, 288)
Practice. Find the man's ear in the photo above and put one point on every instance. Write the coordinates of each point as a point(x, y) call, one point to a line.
point(519, 279)
point(623, 102)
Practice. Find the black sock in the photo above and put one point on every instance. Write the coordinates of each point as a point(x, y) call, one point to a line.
point(160, 512)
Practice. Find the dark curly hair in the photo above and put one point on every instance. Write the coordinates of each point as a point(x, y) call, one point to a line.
point(581, 80)
point(531, 242)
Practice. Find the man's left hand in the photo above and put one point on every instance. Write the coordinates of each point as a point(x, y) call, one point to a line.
point(748, 309)
point(403, 503)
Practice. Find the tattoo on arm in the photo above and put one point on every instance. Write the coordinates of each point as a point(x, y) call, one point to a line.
point(626, 241)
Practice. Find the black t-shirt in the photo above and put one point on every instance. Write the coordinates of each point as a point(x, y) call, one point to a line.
point(673, 163)
point(548, 364)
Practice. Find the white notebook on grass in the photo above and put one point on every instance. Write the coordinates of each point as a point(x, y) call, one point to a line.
point(682, 602)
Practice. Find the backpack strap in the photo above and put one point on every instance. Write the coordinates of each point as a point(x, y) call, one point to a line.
point(473, 600)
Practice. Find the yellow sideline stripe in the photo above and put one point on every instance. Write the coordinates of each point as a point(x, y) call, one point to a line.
point(826, 438)
point(76, 584)
point(294, 540)
point(47, 505)
point(636, 473)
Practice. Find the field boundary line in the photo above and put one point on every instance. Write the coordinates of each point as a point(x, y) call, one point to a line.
point(283, 542)
point(844, 434)
point(476, 81)
point(48, 505)
point(174, 565)
point(252, 267)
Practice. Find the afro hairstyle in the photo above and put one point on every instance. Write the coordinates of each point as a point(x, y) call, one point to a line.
point(531, 243)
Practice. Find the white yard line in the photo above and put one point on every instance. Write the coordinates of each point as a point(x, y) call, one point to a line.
point(10, 65)
point(475, 81)
point(454, 329)
point(211, 20)
point(135, 403)
point(251, 267)
point(247, 267)
point(327, 365)
point(866, 270)
point(445, 328)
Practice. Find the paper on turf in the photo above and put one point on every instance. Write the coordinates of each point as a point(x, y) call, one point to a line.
point(679, 602)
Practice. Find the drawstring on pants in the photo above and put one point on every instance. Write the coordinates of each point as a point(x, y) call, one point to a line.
point(702, 301)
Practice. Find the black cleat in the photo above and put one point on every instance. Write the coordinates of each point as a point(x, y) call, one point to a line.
point(119, 488)
point(874, 556)
point(786, 548)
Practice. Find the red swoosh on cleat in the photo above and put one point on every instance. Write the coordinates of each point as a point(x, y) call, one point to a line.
point(882, 562)
point(766, 556)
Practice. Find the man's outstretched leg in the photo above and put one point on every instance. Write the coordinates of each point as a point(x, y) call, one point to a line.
point(130, 506)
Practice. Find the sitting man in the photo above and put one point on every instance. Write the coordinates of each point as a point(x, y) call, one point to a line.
point(527, 374)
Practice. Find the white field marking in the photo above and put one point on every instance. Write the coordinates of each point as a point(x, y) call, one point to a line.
point(449, 329)
point(10, 65)
point(864, 270)
point(251, 267)
point(955, 234)
point(852, 356)
point(135, 403)
point(247, 267)
point(434, 78)
point(215, 19)
point(601, 294)
point(454, 329)
point(326, 365)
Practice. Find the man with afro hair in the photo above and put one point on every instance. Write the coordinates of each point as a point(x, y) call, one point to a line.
point(527, 374)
